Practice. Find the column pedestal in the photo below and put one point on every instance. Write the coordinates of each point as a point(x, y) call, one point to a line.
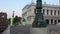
point(39, 31)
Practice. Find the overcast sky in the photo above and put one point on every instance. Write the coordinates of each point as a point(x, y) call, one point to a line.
point(16, 5)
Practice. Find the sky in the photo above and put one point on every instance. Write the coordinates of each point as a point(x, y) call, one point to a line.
point(9, 6)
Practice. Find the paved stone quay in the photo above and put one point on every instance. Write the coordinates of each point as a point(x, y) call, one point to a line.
point(19, 29)
point(7, 31)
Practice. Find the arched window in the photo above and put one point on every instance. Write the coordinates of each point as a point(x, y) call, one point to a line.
point(51, 12)
point(43, 11)
point(58, 21)
point(55, 22)
point(47, 21)
point(59, 13)
point(51, 21)
point(54, 12)
point(47, 12)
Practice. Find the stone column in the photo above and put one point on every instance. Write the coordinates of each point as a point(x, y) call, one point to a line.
point(53, 12)
point(49, 21)
point(42, 11)
point(53, 21)
point(45, 12)
point(57, 21)
point(59, 13)
point(56, 12)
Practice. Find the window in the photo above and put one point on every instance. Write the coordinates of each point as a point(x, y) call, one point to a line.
point(55, 22)
point(47, 21)
point(58, 21)
point(55, 12)
point(47, 12)
point(51, 12)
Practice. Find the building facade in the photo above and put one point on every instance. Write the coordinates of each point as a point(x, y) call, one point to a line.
point(51, 13)
point(3, 21)
point(54, 29)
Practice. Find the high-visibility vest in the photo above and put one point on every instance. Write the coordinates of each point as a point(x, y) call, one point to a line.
point(11, 20)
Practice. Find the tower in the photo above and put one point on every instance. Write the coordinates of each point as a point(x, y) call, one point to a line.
point(39, 20)
point(32, 1)
point(13, 14)
point(59, 2)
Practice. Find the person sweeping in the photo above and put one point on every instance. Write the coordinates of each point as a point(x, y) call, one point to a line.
point(23, 21)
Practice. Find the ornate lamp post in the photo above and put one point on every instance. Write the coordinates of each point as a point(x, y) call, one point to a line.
point(39, 20)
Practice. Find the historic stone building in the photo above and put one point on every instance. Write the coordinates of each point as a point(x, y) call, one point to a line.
point(3, 21)
point(51, 13)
